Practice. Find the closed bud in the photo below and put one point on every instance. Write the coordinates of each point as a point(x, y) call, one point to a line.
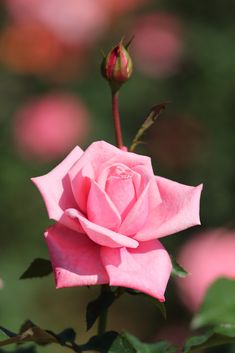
point(117, 66)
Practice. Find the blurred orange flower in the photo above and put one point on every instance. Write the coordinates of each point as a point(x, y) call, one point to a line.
point(31, 48)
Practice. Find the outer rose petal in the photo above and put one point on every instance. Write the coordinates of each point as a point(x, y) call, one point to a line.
point(179, 210)
point(75, 258)
point(146, 268)
point(101, 235)
point(55, 186)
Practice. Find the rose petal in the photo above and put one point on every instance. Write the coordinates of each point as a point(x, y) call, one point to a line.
point(70, 222)
point(101, 210)
point(179, 210)
point(146, 268)
point(81, 182)
point(122, 193)
point(146, 177)
point(101, 235)
point(55, 186)
point(101, 154)
point(137, 216)
point(75, 258)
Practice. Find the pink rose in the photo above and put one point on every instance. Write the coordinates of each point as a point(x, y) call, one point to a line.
point(110, 209)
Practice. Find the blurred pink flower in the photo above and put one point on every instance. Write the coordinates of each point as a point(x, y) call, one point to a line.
point(111, 211)
point(206, 256)
point(158, 44)
point(1, 283)
point(118, 7)
point(71, 20)
point(47, 127)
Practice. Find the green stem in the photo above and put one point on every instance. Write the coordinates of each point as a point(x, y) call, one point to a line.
point(103, 317)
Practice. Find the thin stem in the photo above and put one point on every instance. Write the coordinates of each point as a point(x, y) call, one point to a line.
point(116, 119)
point(103, 317)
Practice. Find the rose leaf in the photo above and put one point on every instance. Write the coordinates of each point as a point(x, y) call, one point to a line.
point(220, 335)
point(101, 343)
point(38, 268)
point(98, 306)
point(126, 343)
point(218, 306)
point(177, 270)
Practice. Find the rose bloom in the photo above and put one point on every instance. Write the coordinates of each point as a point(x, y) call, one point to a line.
point(207, 256)
point(158, 45)
point(47, 127)
point(110, 211)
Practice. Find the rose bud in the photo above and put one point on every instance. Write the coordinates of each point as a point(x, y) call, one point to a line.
point(117, 66)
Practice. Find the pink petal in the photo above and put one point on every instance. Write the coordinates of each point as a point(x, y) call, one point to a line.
point(101, 154)
point(137, 216)
point(146, 177)
point(146, 268)
point(81, 182)
point(71, 222)
point(101, 210)
point(55, 186)
point(179, 210)
point(75, 258)
point(122, 193)
point(101, 235)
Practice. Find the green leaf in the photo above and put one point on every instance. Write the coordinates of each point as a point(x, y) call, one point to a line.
point(38, 268)
point(217, 336)
point(149, 121)
point(102, 303)
point(66, 336)
point(29, 333)
point(218, 306)
point(100, 343)
point(177, 270)
point(154, 301)
point(126, 343)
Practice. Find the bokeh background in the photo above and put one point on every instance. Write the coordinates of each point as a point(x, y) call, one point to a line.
point(52, 97)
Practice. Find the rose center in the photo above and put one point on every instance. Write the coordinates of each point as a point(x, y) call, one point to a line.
point(121, 172)
point(120, 188)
